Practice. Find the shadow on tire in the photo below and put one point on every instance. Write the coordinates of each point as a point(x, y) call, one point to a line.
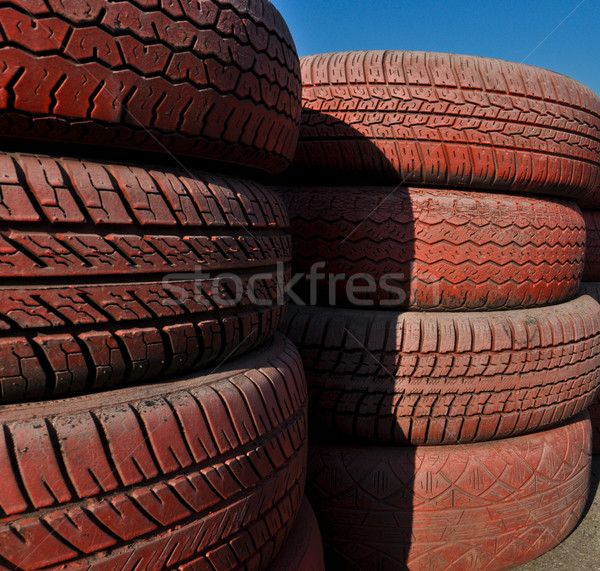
point(341, 490)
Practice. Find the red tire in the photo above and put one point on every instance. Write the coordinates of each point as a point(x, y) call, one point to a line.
point(303, 549)
point(591, 272)
point(444, 249)
point(446, 378)
point(214, 81)
point(100, 266)
point(483, 506)
point(439, 119)
point(203, 471)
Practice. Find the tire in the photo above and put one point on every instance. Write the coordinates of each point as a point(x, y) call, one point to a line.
point(447, 120)
point(452, 378)
point(483, 506)
point(447, 250)
point(212, 80)
point(591, 272)
point(203, 471)
point(105, 268)
point(303, 549)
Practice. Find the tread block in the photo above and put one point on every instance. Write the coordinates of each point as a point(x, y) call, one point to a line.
point(136, 495)
point(401, 388)
point(445, 119)
point(131, 74)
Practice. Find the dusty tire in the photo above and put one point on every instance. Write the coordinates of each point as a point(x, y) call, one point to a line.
point(448, 250)
point(100, 266)
point(483, 506)
point(439, 119)
point(303, 549)
point(591, 272)
point(446, 378)
point(203, 468)
point(213, 80)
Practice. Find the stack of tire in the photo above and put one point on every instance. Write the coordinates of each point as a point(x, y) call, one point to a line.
point(151, 418)
point(591, 287)
point(449, 359)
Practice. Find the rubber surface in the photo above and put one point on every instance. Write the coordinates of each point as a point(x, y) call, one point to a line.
point(105, 273)
point(303, 549)
point(593, 290)
point(483, 506)
point(413, 378)
point(591, 272)
point(440, 119)
point(204, 471)
point(216, 79)
point(445, 249)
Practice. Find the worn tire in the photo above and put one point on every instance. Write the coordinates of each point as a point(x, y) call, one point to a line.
point(206, 470)
point(439, 119)
point(448, 250)
point(446, 378)
point(591, 272)
point(216, 79)
point(490, 506)
point(303, 549)
point(104, 273)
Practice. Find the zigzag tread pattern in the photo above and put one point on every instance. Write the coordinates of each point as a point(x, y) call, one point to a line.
point(105, 272)
point(446, 378)
point(216, 80)
point(484, 506)
point(447, 250)
point(204, 471)
point(450, 120)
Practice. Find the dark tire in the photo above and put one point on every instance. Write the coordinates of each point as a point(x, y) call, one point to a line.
point(448, 250)
point(484, 506)
point(595, 416)
point(593, 290)
point(100, 266)
point(451, 120)
point(448, 378)
point(210, 79)
point(204, 471)
point(303, 549)
point(591, 272)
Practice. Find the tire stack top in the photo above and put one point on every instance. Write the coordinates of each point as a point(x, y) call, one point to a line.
point(150, 416)
point(457, 175)
point(214, 80)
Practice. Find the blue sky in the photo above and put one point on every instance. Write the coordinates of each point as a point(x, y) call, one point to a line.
point(563, 36)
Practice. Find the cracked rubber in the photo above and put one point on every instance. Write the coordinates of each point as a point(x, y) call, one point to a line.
point(447, 120)
point(105, 273)
point(447, 250)
point(446, 378)
point(205, 471)
point(212, 79)
point(593, 290)
point(491, 505)
point(303, 549)
point(591, 272)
